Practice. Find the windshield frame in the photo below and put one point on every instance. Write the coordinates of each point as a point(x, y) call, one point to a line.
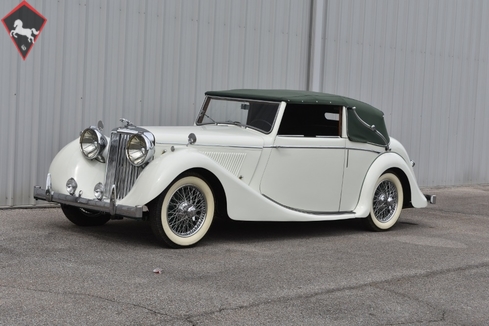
point(205, 106)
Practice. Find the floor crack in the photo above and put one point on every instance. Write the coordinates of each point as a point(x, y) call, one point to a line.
point(90, 296)
point(377, 284)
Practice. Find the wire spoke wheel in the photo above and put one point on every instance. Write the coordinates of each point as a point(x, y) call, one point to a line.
point(187, 211)
point(184, 212)
point(387, 203)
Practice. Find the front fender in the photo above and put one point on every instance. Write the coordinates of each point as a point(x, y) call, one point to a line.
point(70, 163)
point(160, 173)
point(383, 163)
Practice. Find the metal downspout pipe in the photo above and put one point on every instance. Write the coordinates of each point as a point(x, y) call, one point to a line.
point(316, 59)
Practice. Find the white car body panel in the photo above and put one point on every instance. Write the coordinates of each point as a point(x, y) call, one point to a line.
point(70, 163)
point(305, 173)
point(358, 161)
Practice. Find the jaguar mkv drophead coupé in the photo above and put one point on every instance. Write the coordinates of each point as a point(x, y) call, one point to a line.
point(252, 155)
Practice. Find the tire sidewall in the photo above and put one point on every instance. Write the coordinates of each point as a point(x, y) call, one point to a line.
point(162, 219)
point(375, 223)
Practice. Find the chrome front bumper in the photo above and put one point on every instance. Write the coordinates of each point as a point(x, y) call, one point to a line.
point(108, 207)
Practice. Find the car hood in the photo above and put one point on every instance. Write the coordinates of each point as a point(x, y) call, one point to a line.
point(208, 135)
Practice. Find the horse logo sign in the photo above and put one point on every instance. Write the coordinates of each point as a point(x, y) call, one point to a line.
point(23, 31)
point(24, 24)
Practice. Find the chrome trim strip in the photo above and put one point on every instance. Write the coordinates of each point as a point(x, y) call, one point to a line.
point(363, 150)
point(231, 146)
point(209, 145)
point(309, 137)
point(121, 210)
point(304, 147)
point(308, 212)
point(323, 147)
point(272, 146)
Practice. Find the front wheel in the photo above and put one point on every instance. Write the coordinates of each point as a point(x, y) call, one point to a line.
point(183, 213)
point(84, 217)
point(386, 203)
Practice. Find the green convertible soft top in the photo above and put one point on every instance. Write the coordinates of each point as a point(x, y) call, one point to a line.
point(357, 130)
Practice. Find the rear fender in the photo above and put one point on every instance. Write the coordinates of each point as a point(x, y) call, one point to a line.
point(383, 163)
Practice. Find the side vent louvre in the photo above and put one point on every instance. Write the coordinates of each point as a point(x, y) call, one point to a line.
point(230, 161)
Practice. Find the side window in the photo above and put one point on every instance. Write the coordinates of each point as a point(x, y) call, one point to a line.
point(311, 121)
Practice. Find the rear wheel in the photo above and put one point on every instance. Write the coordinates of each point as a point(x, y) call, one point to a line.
point(386, 203)
point(183, 213)
point(84, 217)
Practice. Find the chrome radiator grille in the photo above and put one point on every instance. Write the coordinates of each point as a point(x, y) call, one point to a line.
point(119, 171)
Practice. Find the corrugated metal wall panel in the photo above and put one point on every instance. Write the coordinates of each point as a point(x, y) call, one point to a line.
point(424, 63)
point(481, 159)
point(149, 61)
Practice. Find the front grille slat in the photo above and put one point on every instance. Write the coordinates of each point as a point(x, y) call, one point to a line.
point(119, 171)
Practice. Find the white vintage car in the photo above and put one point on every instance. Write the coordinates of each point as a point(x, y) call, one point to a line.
point(252, 155)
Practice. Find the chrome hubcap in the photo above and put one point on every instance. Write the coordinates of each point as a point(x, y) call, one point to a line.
point(186, 211)
point(385, 201)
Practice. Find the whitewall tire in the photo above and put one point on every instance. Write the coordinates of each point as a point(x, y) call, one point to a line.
point(183, 213)
point(387, 202)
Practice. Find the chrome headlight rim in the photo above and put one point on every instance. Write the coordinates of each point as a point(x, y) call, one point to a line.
point(140, 149)
point(93, 143)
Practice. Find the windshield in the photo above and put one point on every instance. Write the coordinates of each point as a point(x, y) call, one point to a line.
point(258, 115)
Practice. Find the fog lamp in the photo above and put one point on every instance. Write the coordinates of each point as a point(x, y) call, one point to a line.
point(98, 191)
point(71, 186)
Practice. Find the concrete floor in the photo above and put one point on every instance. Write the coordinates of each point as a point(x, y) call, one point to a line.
point(432, 268)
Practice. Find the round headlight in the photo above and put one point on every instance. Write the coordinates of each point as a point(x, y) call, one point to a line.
point(92, 143)
point(139, 149)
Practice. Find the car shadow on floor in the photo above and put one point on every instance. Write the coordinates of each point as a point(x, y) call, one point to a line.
point(139, 233)
point(228, 230)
